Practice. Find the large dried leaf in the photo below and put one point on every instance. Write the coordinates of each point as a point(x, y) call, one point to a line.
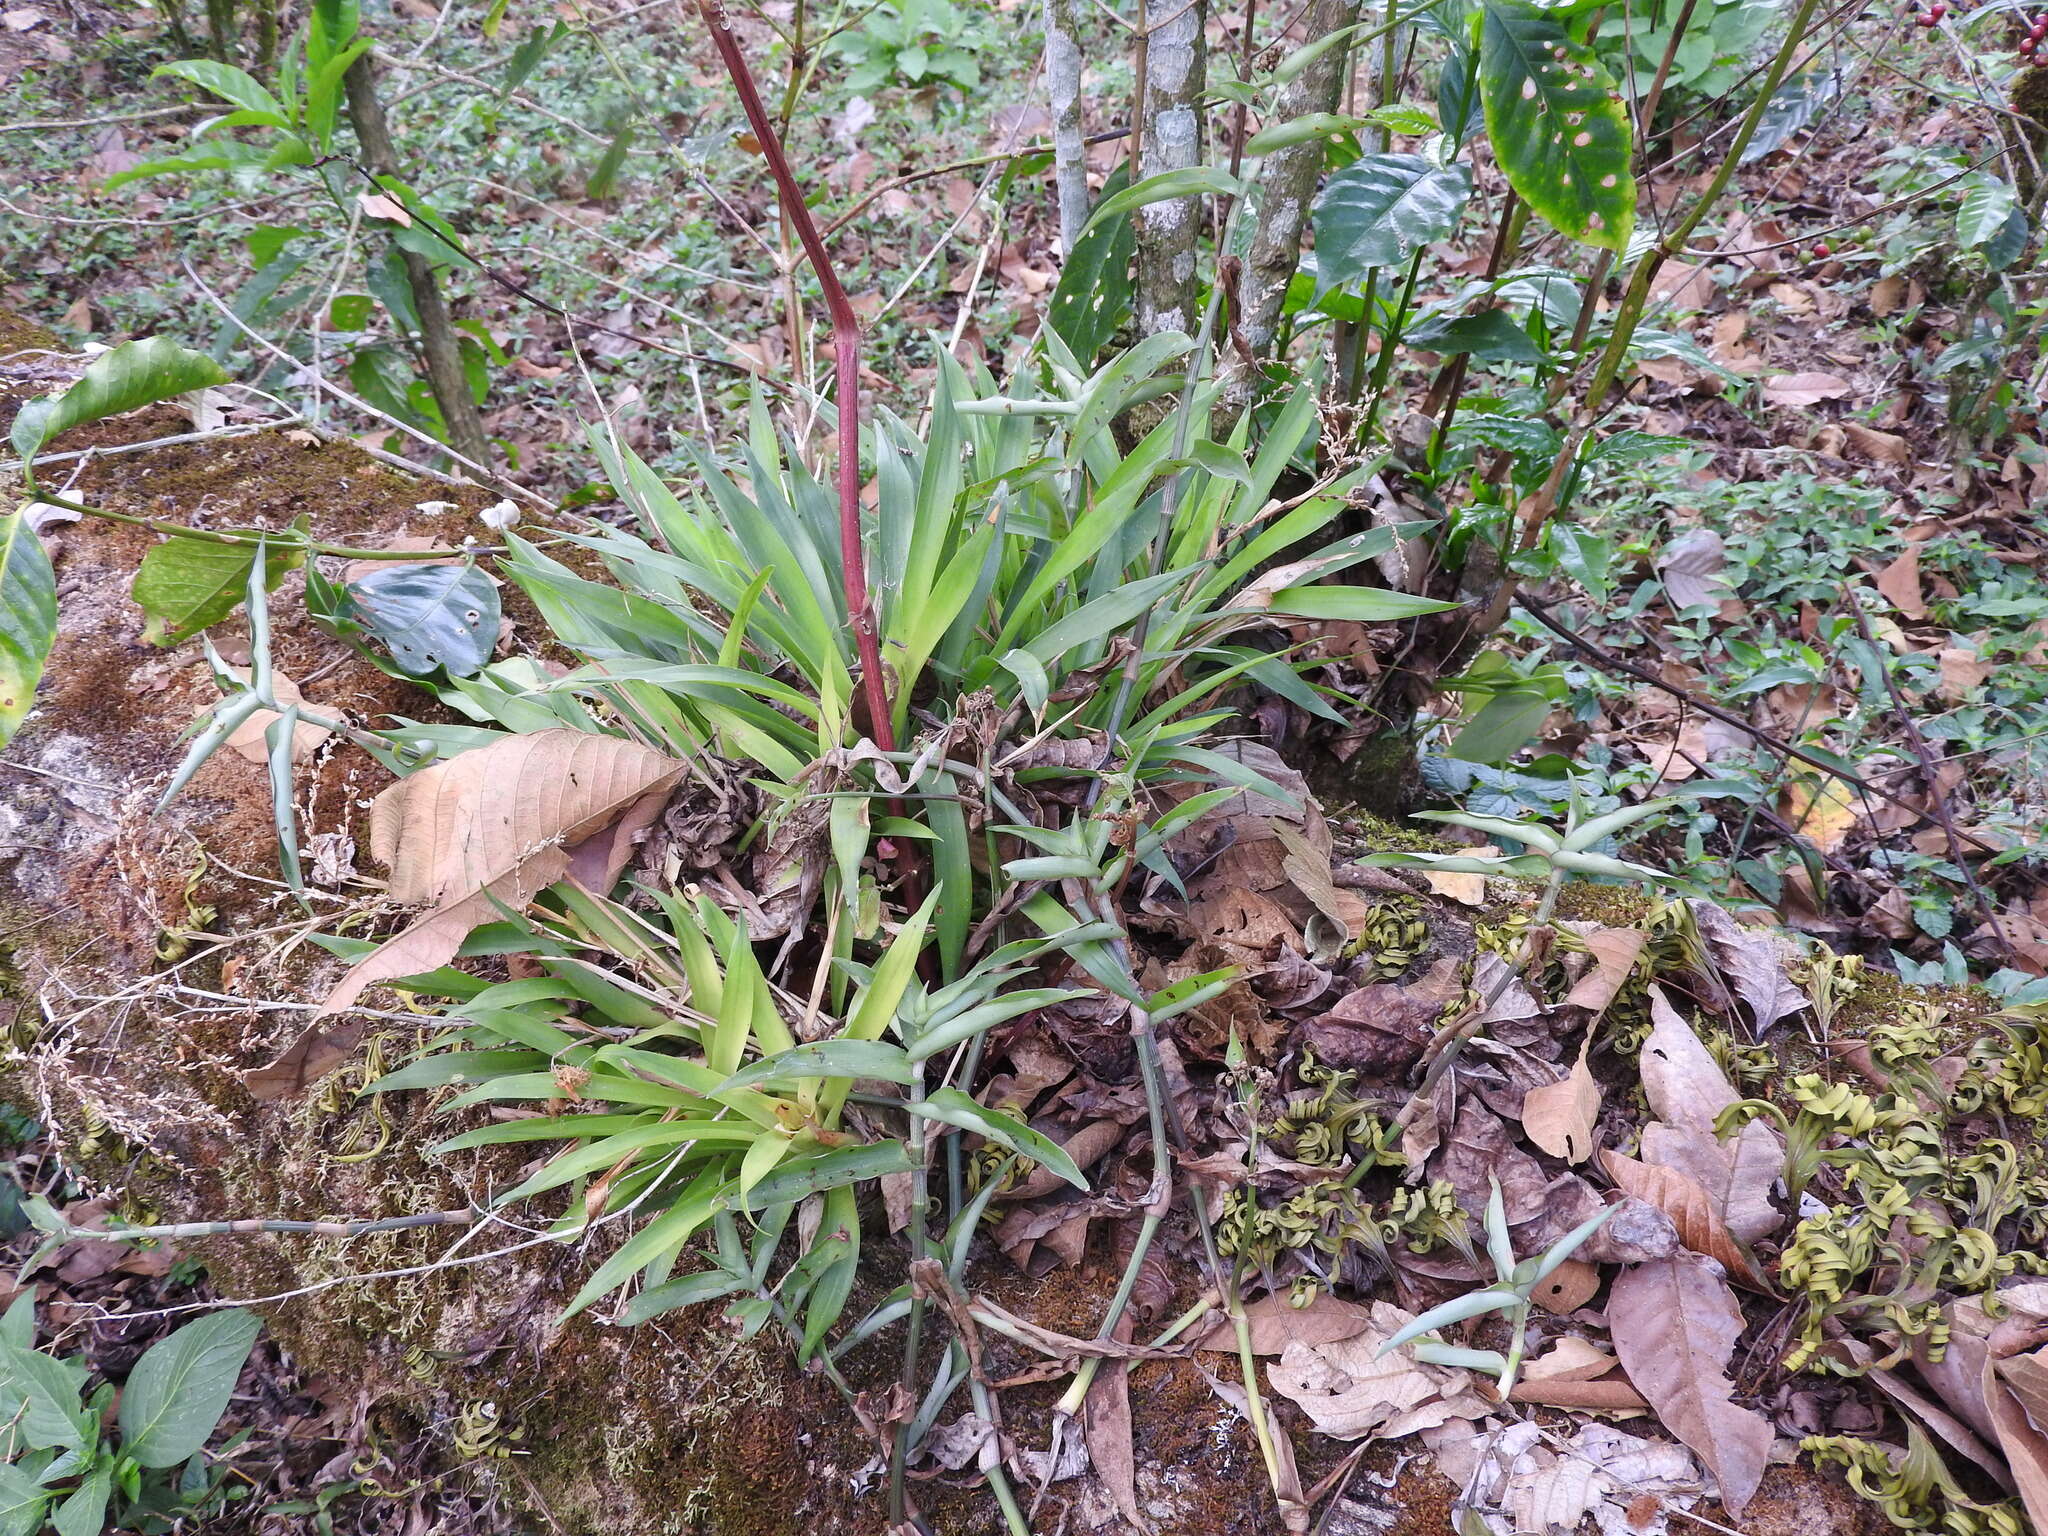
point(1349, 1390)
point(1274, 1323)
point(1738, 1173)
point(2025, 1447)
point(1614, 956)
point(496, 825)
point(1753, 962)
point(1558, 1117)
point(1692, 1210)
point(1675, 1324)
point(1684, 1084)
point(1106, 1427)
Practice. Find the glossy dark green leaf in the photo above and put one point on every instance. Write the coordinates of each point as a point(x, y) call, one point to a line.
point(1557, 124)
point(1094, 293)
point(1491, 336)
point(431, 615)
point(1380, 209)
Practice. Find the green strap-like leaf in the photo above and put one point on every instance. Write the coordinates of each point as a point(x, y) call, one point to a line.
point(1380, 209)
point(1557, 123)
point(28, 618)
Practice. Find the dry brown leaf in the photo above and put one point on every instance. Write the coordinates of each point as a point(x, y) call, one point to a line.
point(248, 738)
point(1754, 961)
point(1274, 1323)
point(2025, 1447)
point(1691, 567)
point(1804, 388)
point(1692, 1210)
point(1738, 1174)
point(1106, 1427)
point(502, 822)
point(1349, 1390)
point(1961, 671)
point(1614, 955)
point(1675, 1323)
point(2026, 1376)
point(1567, 1288)
point(1900, 584)
point(375, 205)
point(1885, 447)
point(1571, 1358)
point(1458, 885)
point(1558, 1117)
point(1887, 296)
point(1685, 1086)
point(1610, 1394)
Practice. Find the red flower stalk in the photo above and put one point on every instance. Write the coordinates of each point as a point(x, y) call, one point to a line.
point(845, 372)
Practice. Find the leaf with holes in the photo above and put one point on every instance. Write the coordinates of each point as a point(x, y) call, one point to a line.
point(28, 618)
point(1557, 124)
point(1094, 292)
point(431, 615)
point(1380, 209)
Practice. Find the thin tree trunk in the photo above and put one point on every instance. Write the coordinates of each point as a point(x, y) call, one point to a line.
point(438, 345)
point(1069, 151)
point(1171, 122)
point(1287, 185)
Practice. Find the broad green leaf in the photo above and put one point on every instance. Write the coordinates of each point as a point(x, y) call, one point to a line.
point(1193, 181)
point(185, 585)
point(84, 1513)
point(1557, 124)
point(1380, 209)
point(829, 1058)
point(226, 82)
point(44, 1394)
point(431, 615)
point(689, 1291)
point(1298, 130)
point(181, 1385)
point(952, 1107)
point(130, 376)
point(28, 618)
point(21, 1503)
point(1987, 203)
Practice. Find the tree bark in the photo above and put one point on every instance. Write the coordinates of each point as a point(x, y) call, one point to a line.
point(438, 345)
point(1171, 123)
point(1287, 185)
point(1069, 151)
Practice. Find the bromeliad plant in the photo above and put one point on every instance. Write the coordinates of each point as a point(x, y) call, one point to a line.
point(1511, 1295)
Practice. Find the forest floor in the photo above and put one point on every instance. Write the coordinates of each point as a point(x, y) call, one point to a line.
point(1816, 439)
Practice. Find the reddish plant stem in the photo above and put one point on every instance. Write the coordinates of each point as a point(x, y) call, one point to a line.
point(845, 372)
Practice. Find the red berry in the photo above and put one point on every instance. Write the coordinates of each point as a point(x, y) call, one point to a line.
point(1926, 19)
point(1822, 251)
point(2026, 46)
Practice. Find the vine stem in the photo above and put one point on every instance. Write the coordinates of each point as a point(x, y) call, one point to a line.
point(208, 536)
point(846, 372)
